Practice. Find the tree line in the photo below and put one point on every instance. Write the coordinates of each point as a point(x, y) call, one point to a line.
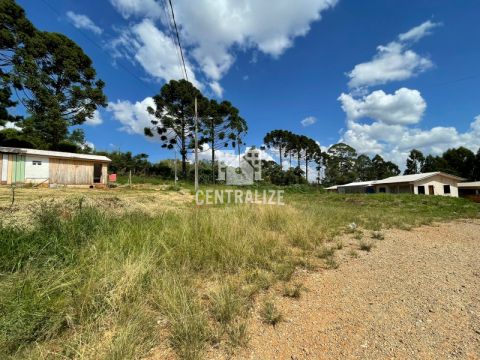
point(47, 76)
point(459, 161)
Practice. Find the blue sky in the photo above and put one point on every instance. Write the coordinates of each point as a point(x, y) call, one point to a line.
point(314, 59)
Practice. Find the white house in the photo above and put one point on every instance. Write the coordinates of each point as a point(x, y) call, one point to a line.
point(434, 183)
point(19, 165)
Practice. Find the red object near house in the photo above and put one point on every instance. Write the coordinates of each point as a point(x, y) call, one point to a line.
point(112, 177)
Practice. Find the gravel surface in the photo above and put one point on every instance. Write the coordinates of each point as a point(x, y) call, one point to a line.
point(416, 295)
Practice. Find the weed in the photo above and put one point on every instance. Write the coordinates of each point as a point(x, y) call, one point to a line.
point(292, 291)
point(331, 263)
point(325, 252)
point(237, 334)
point(365, 245)
point(227, 304)
point(377, 235)
point(339, 245)
point(353, 253)
point(270, 314)
point(358, 235)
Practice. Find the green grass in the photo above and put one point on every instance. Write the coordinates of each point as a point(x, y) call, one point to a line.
point(80, 282)
point(270, 314)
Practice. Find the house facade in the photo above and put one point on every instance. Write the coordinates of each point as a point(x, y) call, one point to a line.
point(434, 183)
point(20, 166)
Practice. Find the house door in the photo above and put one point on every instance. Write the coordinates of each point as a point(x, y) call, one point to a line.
point(97, 173)
point(431, 190)
point(18, 169)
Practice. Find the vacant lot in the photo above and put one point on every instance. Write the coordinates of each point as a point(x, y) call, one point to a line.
point(143, 272)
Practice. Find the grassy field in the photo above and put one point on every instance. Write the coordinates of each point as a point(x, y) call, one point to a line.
point(130, 273)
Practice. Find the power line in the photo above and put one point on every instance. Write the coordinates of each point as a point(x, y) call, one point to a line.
point(172, 35)
point(178, 39)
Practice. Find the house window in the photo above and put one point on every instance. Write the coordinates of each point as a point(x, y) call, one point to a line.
point(421, 189)
point(36, 162)
point(446, 189)
point(382, 190)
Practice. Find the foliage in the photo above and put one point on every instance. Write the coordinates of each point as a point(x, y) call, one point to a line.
point(220, 126)
point(51, 75)
point(460, 162)
point(415, 162)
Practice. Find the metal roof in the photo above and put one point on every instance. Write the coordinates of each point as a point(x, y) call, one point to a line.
point(472, 184)
point(334, 187)
point(414, 177)
point(55, 154)
point(359, 183)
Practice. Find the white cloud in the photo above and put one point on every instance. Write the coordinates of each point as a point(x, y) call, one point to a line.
point(153, 50)
point(147, 8)
point(83, 22)
point(10, 125)
point(216, 88)
point(212, 31)
point(134, 117)
point(309, 120)
point(394, 142)
point(418, 32)
point(404, 107)
point(394, 61)
point(95, 120)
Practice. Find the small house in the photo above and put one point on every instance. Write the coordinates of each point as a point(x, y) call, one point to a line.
point(20, 166)
point(433, 183)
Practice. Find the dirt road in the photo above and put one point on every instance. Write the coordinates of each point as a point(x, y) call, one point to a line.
point(416, 295)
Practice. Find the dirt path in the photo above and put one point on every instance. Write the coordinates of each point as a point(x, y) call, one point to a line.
point(415, 295)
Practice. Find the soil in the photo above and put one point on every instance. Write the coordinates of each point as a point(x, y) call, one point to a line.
point(415, 295)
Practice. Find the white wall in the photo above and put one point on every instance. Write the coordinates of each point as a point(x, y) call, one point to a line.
point(36, 173)
point(438, 181)
point(4, 165)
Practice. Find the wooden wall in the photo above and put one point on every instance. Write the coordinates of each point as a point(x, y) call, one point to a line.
point(72, 172)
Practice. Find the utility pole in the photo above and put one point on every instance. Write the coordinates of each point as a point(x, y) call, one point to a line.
point(196, 146)
point(175, 167)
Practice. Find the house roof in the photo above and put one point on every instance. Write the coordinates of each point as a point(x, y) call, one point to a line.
point(414, 177)
point(334, 187)
point(359, 183)
point(55, 154)
point(473, 184)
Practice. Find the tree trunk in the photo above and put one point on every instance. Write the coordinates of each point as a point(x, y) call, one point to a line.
point(306, 168)
point(281, 159)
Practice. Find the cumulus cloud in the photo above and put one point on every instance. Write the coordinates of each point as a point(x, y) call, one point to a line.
point(95, 120)
point(83, 22)
point(213, 31)
point(404, 107)
point(394, 61)
point(309, 120)
point(153, 50)
point(394, 141)
point(134, 117)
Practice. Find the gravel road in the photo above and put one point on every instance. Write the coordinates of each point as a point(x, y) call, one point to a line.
point(416, 295)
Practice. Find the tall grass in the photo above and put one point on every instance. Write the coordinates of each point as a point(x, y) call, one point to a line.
point(83, 283)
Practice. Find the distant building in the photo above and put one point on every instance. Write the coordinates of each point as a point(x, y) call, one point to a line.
point(434, 183)
point(19, 166)
point(470, 190)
